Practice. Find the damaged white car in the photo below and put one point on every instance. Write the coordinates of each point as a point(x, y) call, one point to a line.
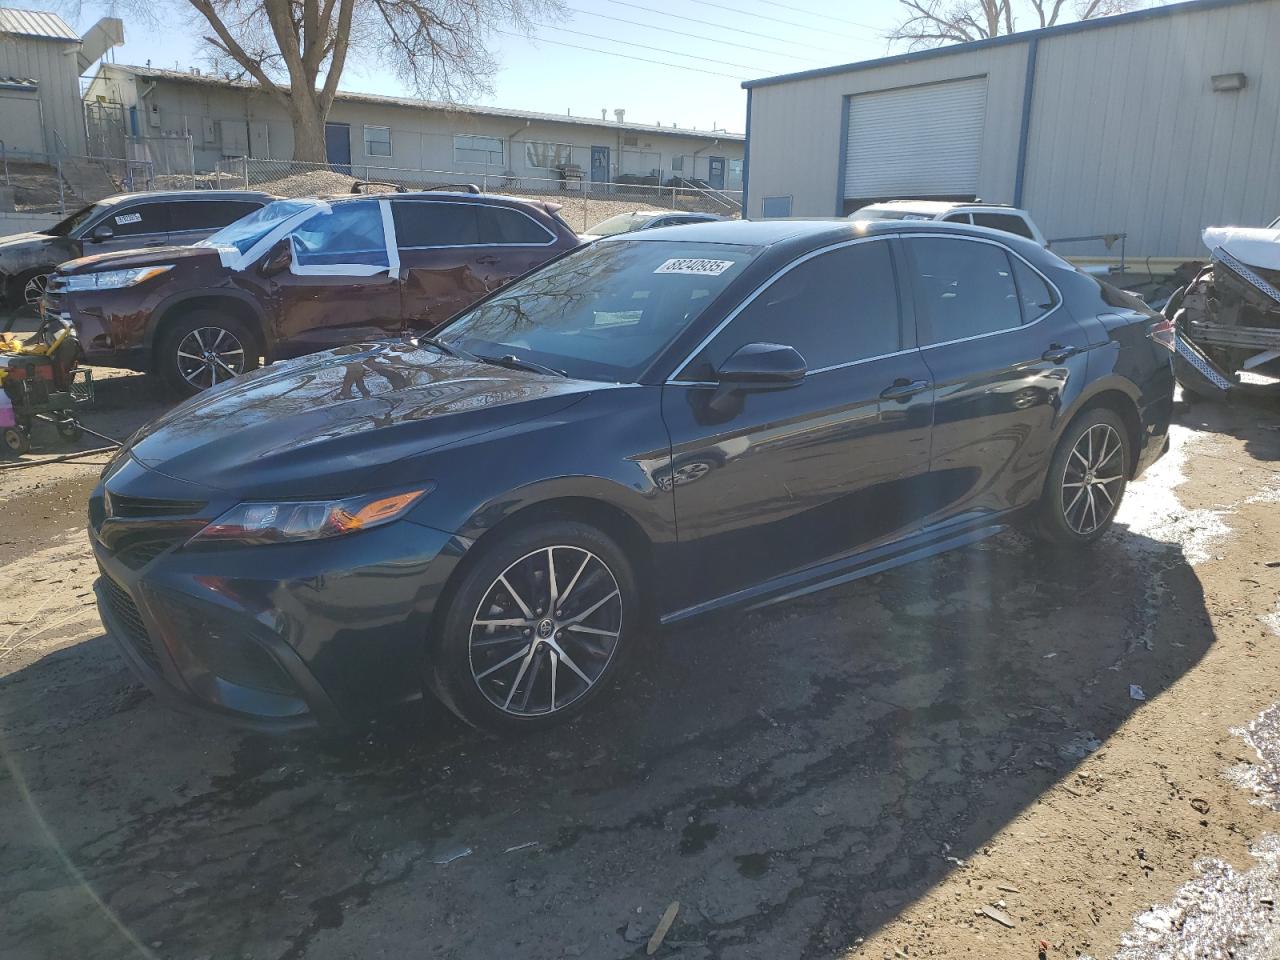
point(1227, 319)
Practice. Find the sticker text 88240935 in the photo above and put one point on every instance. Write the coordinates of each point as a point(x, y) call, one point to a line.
point(695, 265)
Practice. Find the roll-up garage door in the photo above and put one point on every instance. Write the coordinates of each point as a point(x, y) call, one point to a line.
point(916, 141)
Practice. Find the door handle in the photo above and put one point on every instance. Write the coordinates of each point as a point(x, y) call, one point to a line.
point(487, 259)
point(1057, 353)
point(904, 389)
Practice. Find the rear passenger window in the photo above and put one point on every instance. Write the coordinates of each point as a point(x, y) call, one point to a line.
point(964, 288)
point(1036, 296)
point(957, 218)
point(138, 219)
point(425, 223)
point(1005, 222)
point(498, 225)
point(208, 214)
point(834, 308)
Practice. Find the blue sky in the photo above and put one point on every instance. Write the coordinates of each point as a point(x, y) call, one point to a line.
point(771, 36)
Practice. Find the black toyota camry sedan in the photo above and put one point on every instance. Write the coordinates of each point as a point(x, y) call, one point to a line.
point(642, 431)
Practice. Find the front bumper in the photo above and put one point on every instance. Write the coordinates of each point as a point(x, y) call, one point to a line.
point(283, 636)
point(105, 344)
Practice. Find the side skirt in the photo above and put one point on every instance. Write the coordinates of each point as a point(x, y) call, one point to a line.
point(836, 572)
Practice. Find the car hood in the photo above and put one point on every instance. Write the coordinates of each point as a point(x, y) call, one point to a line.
point(144, 257)
point(25, 240)
point(339, 422)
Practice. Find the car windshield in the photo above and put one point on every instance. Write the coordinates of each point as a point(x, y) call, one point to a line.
point(604, 312)
point(64, 227)
point(245, 232)
point(622, 223)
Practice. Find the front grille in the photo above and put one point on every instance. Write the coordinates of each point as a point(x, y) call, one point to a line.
point(130, 620)
point(143, 507)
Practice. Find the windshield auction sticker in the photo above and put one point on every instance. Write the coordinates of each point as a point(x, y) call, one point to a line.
point(696, 266)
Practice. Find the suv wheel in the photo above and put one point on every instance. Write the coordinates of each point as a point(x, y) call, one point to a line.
point(1086, 479)
point(26, 289)
point(537, 627)
point(204, 348)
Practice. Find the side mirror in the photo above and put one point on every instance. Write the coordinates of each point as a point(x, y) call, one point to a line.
point(102, 232)
point(761, 366)
point(278, 259)
point(754, 366)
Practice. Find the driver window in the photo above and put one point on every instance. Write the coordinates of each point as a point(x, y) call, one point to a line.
point(350, 233)
point(835, 308)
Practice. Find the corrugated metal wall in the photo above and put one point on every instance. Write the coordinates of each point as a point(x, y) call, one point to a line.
point(53, 63)
point(1125, 134)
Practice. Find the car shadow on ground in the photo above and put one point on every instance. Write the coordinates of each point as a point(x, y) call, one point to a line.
point(794, 777)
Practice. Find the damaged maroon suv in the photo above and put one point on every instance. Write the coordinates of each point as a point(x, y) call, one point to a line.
point(300, 276)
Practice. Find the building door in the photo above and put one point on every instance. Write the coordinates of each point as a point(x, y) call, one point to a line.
point(919, 141)
point(337, 146)
point(715, 172)
point(20, 116)
point(600, 164)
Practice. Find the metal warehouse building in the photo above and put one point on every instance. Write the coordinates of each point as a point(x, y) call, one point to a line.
point(41, 59)
point(1154, 124)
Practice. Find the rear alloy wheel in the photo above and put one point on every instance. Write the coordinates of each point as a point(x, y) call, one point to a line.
point(204, 349)
point(544, 628)
point(1086, 480)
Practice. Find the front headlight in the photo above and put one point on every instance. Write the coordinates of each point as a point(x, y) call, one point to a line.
point(112, 279)
point(289, 521)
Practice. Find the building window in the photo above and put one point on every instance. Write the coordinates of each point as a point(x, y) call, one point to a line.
point(776, 207)
point(547, 155)
point(735, 169)
point(677, 163)
point(377, 141)
point(469, 149)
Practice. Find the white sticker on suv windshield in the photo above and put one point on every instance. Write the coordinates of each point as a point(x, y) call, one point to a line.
point(129, 218)
point(696, 266)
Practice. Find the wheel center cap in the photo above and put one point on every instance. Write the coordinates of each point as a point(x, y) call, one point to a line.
point(546, 628)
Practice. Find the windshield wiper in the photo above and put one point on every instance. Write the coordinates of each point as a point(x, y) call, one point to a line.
point(446, 348)
point(512, 362)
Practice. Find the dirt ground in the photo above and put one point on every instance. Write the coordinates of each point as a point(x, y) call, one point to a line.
point(861, 773)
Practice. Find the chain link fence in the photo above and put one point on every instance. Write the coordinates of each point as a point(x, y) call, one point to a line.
point(584, 202)
point(60, 183)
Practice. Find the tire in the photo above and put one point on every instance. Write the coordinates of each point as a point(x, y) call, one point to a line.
point(14, 442)
point(522, 673)
point(1063, 516)
point(186, 341)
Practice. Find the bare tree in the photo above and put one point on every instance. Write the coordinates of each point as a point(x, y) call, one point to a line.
point(933, 23)
point(297, 50)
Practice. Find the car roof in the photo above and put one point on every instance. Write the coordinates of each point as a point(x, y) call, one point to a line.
point(810, 233)
point(760, 232)
point(188, 195)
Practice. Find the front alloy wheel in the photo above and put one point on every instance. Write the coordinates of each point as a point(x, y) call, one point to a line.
point(545, 631)
point(1092, 479)
point(534, 627)
point(209, 355)
point(34, 288)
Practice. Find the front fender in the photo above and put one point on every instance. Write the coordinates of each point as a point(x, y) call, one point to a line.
point(165, 306)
